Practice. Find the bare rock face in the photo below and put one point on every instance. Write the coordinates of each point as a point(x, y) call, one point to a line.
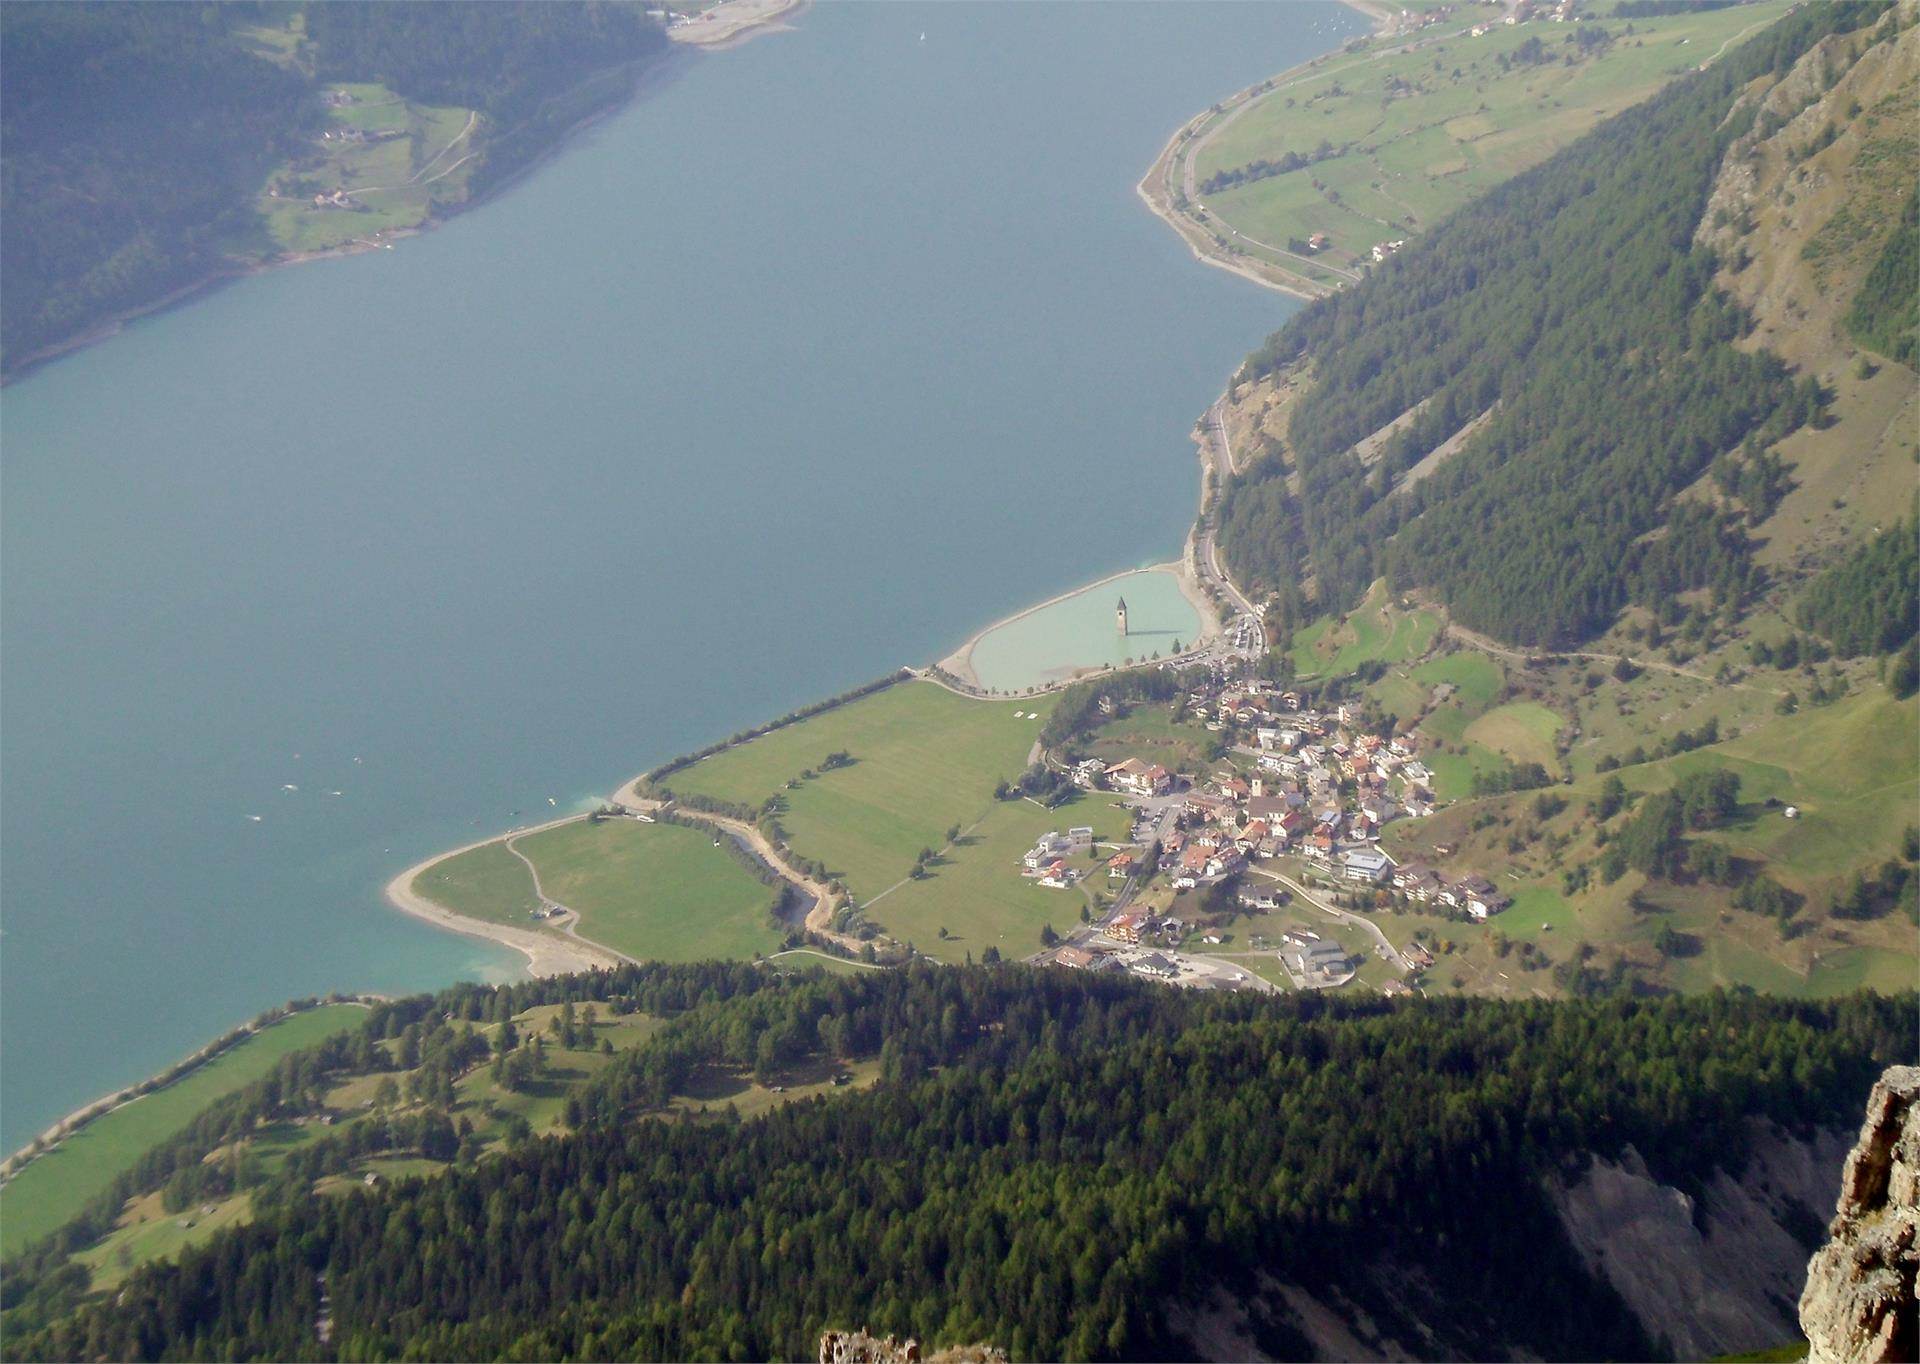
point(1714, 1272)
point(858, 1347)
point(1859, 1305)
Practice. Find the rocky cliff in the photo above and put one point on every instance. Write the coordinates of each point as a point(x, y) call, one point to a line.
point(1859, 1305)
point(861, 1347)
point(1705, 1271)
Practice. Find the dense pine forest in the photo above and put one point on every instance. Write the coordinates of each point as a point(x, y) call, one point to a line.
point(1046, 1162)
point(1886, 313)
point(1868, 602)
point(1572, 307)
point(138, 135)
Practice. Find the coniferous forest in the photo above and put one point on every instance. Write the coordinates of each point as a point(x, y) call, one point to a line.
point(1046, 1161)
point(1886, 312)
point(1572, 308)
point(1869, 602)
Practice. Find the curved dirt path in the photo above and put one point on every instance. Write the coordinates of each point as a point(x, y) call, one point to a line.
point(819, 919)
point(1475, 640)
point(547, 954)
point(1359, 921)
point(414, 181)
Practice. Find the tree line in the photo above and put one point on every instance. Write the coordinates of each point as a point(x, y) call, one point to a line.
point(1046, 1160)
point(1885, 314)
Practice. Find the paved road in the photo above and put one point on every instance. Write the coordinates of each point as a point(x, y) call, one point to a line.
point(1360, 921)
point(1206, 549)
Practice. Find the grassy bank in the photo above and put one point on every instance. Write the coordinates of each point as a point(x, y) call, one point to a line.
point(55, 1187)
point(396, 162)
point(499, 1113)
point(860, 787)
point(656, 892)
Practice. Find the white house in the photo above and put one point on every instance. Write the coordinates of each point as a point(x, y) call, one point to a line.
point(1366, 864)
point(1049, 849)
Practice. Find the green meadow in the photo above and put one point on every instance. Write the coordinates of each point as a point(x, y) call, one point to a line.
point(659, 892)
point(1522, 730)
point(1406, 138)
point(487, 882)
point(975, 889)
point(1849, 769)
point(1455, 753)
point(1150, 733)
point(53, 1189)
point(410, 165)
point(1377, 630)
point(920, 761)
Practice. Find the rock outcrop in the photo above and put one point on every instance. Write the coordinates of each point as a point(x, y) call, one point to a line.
point(858, 1347)
point(1859, 1305)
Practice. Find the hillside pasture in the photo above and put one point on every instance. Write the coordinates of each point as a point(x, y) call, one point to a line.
point(1522, 730)
point(53, 1189)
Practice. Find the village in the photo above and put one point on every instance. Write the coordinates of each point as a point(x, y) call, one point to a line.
point(1246, 872)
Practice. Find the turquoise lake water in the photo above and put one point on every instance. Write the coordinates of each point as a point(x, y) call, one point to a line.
point(1082, 631)
point(765, 386)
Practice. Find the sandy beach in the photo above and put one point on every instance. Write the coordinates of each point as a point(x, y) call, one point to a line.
point(547, 954)
point(736, 21)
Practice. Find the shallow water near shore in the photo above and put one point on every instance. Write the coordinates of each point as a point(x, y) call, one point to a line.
point(1080, 632)
point(812, 362)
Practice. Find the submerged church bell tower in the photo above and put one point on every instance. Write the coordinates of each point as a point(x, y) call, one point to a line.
point(1120, 615)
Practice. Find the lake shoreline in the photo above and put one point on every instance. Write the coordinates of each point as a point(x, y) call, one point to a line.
point(758, 23)
point(117, 1099)
point(547, 954)
point(959, 663)
point(1154, 193)
point(642, 74)
point(548, 951)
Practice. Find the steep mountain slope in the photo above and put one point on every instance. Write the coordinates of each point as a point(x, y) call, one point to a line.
point(1507, 459)
point(1860, 1304)
point(1569, 352)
